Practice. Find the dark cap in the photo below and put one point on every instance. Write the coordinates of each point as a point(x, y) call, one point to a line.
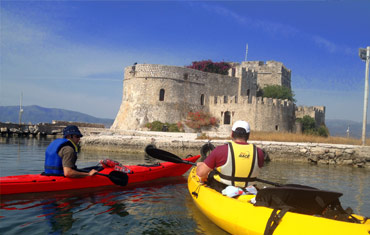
point(71, 130)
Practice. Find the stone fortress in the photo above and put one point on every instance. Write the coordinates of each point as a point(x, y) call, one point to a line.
point(165, 93)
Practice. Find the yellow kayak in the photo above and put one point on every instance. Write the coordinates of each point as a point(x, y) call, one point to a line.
point(240, 216)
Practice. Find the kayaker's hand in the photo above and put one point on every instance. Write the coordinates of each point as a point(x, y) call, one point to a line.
point(92, 172)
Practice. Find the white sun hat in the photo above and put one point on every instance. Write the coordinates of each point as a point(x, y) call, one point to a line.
point(241, 124)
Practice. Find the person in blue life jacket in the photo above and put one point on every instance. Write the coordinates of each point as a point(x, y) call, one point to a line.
point(233, 163)
point(61, 155)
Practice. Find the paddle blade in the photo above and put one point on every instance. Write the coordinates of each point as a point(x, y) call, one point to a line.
point(162, 155)
point(118, 178)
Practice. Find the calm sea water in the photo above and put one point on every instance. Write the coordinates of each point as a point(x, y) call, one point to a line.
point(159, 207)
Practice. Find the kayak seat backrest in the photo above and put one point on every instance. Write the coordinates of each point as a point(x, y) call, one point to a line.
point(297, 198)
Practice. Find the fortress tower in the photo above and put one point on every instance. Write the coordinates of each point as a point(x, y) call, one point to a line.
point(316, 112)
point(271, 73)
point(167, 93)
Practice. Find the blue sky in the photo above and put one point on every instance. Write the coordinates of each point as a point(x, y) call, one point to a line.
point(71, 54)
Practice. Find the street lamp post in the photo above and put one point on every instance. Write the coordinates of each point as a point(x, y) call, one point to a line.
point(365, 55)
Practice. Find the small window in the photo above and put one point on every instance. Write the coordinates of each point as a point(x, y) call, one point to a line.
point(161, 95)
point(233, 72)
point(227, 118)
point(248, 91)
point(202, 99)
point(236, 99)
point(215, 99)
point(225, 99)
point(186, 76)
point(276, 127)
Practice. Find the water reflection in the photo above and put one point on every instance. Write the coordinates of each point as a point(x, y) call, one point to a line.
point(204, 225)
point(156, 207)
point(61, 209)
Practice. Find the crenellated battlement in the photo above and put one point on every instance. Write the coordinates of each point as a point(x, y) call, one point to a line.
point(317, 109)
point(253, 100)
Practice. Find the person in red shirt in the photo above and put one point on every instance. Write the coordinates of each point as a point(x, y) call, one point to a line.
point(235, 163)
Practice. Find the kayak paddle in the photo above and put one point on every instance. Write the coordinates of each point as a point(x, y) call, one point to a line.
point(117, 177)
point(165, 156)
point(170, 157)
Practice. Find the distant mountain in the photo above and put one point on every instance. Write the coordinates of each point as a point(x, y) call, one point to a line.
point(36, 114)
point(339, 128)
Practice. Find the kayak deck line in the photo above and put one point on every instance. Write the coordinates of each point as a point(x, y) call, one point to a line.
point(21, 182)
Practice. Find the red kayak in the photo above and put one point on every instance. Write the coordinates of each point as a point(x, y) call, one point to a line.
point(42, 183)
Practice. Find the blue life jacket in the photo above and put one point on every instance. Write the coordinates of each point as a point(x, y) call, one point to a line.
point(53, 162)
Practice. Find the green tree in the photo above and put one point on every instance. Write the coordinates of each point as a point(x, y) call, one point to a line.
point(323, 131)
point(309, 127)
point(308, 123)
point(278, 92)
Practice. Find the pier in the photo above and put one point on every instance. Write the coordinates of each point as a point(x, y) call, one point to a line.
point(53, 129)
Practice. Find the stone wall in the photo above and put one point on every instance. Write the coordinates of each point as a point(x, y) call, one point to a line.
point(328, 154)
point(262, 114)
point(183, 144)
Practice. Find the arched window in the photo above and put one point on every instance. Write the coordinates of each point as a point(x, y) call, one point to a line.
point(161, 95)
point(227, 118)
point(276, 127)
point(202, 99)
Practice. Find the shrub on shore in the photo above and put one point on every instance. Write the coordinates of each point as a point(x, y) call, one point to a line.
point(198, 120)
point(309, 127)
point(159, 126)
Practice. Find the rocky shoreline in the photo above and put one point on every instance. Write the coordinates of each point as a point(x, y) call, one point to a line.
point(184, 144)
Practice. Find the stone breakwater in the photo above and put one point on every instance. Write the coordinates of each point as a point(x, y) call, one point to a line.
point(183, 144)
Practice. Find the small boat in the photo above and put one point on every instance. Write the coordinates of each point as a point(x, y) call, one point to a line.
point(240, 216)
point(138, 173)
